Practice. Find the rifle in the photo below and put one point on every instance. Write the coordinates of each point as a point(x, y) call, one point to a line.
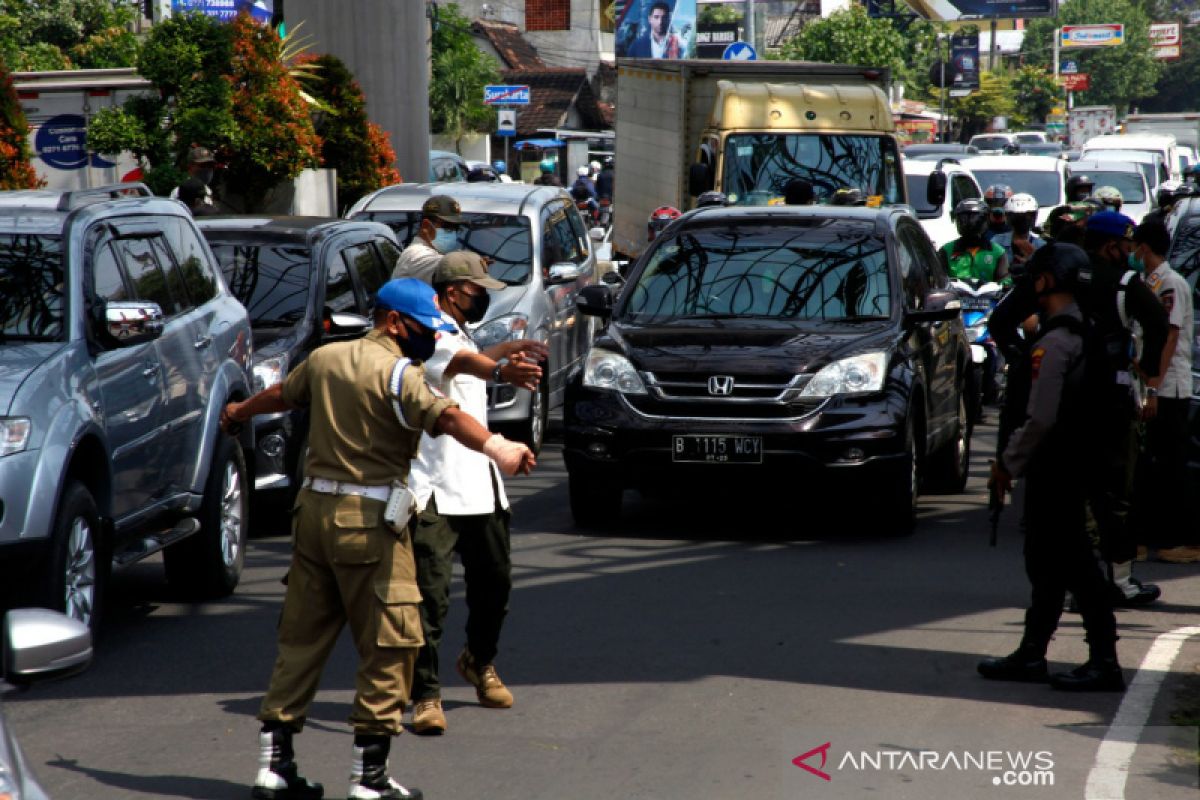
point(995, 507)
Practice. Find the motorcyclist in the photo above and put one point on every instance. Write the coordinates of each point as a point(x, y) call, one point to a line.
point(1169, 193)
point(971, 256)
point(548, 176)
point(660, 218)
point(1079, 187)
point(584, 191)
point(996, 196)
point(1109, 197)
point(604, 181)
point(1019, 242)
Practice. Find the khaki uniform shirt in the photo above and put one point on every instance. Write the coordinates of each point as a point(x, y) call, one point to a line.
point(368, 406)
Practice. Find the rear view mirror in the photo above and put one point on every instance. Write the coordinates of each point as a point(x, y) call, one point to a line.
point(564, 272)
point(595, 301)
point(40, 643)
point(343, 323)
point(935, 190)
point(131, 322)
point(940, 306)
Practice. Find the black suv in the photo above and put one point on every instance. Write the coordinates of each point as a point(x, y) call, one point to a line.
point(306, 281)
point(774, 345)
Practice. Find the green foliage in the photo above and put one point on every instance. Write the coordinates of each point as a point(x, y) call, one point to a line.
point(994, 99)
point(1035, 93)
point(1118, 75)
point(849, 36)
point(1179, 87)
point(15, 170)
point(718, 14)
point(68, 34)
point(460, 71)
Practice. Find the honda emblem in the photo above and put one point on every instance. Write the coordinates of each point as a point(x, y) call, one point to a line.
point(720, 385)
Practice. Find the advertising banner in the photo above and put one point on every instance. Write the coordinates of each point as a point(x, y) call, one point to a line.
point(1110, 35)
point(950, 10)
point(656, 28)
point(1166, 38)
point(711, 40)
point(964, 62)
point(226, 10)
point(1075, 81)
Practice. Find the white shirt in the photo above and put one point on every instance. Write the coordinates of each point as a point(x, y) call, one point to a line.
point(1176, 296)
point(457, 477)
point(418, 260)
point(658, 49)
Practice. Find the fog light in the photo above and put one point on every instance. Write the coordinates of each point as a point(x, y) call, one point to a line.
point(272, 445)
point(853, 454)
point(597, 449)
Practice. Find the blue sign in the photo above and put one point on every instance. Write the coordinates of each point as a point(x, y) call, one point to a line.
point(506, 95)
point(739, 51)
point(1070, 68)
point(61, 143)
point(226, 10)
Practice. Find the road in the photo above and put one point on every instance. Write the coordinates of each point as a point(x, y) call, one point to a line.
point(683, 654)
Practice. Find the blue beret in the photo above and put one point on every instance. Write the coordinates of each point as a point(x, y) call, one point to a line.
point(1112, 223)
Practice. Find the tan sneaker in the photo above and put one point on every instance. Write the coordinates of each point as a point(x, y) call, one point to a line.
point(490, 690)
point(1180, 555)
point(428, 718)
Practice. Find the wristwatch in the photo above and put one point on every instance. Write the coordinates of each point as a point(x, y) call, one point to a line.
point(1151, 391)
point(496, 373)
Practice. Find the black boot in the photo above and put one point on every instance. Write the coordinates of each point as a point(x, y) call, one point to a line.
point(1027, 664)
point(1099, 674)
point(368, 774)
point(278, 776)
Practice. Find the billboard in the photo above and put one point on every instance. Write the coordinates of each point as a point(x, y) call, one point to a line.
point(656, 28)
point(950, 10)
point(226, 10)
point(712, 40)
point(964, 61)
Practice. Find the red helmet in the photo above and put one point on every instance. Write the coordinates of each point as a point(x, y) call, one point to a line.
point(660, 218)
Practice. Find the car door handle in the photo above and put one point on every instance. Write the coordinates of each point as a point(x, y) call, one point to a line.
point(202, 342)
point(150, 371)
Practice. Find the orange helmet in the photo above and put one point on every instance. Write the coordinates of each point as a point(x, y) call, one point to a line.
point(660, 218)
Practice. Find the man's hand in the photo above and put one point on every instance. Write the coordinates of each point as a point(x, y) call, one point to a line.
point(1000, 479)
point(521, 372)
point(530, 349)
point(1150, 408)
point(230, 422)
point(1023, 248)
point(513, 458)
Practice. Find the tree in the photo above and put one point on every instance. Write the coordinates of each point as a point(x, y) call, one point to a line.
point(849, 36)
point(1035, 93)
point(718, 14)
point(976, 111)
point(15, 170)
point(68, 34)
point(1180, 82)
point(460, 71)
point(1118, 75)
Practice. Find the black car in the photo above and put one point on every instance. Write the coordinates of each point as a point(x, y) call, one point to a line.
point(1184, 257)
point(798, 346)
point(306, 281)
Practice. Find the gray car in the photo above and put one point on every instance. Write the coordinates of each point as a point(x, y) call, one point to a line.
point(539, 246)
point(119, 345)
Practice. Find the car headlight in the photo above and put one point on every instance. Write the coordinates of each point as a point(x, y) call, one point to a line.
point(501, 329)
point(612, 371)
point(854, 375)
point(14, 434)
point(270, 371)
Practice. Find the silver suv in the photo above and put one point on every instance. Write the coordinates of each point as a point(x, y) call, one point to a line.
point(539, 246)
point(119, 345)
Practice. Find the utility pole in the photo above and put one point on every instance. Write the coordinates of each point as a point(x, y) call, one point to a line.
point(748, 22)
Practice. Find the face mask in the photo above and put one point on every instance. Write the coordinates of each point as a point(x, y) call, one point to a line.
point(1021, 224)
point(477, 308)
point(205, 176)
point(418, 348)
point(1135, 263)
point(445, 241)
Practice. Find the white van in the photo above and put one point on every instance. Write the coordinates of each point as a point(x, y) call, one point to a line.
point(938, 220)
point(1161, 143)
point(1041, 176)
point(1151, 164)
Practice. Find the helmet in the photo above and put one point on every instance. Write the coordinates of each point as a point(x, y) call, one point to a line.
point(849, 196)
point(1109, 196)
point(1021, 203)
point(712, 198)
point(1169, 192)
point(997, 195)
point(547, 165)
point(608, 161)
point(1063, 261)
point(1079, 187)
point(583, 171)
point(499, 166)
point(970, 217)
point(594, 166)
point(660, 218)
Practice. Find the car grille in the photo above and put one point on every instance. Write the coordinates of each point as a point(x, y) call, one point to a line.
point(724, 396)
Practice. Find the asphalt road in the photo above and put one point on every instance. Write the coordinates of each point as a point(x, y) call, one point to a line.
point(692, 651)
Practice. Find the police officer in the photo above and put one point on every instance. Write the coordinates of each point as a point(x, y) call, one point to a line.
point(368, 405)
point(1051, 450)
point(971, 256)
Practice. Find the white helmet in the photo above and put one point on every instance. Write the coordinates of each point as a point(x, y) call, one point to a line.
point(1021, 203)
point(1109, 196)
point(595, 166)
point(583, 171)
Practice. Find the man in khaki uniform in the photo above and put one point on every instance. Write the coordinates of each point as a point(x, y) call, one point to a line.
point(368, 406)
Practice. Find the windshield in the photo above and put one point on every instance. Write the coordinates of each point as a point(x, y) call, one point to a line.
point(811, 270)
point(1129, 184)
point(1147, 167)
point(1045, 186)
point(1029, 138)
point(990, 142)
point(917, 185)
point(758, 167)
point(270, 280)
point(503, 238)
point(32, 290)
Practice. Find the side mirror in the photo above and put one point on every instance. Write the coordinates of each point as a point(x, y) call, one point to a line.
point(40, 643)
point(131, 322)
point(343, 323)
point(595, 301)
point(700, 179)
point(935, 190)
point(564, 272)
point(940, 305)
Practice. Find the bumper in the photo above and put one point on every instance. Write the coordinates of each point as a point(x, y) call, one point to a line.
point(844, 439)
point(25, 512)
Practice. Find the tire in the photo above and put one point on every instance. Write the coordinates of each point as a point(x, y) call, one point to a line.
point(949, 466)
point(76, 571)
point(533, 430)
point(595, 502)
point(898, 511)
point(208, 564)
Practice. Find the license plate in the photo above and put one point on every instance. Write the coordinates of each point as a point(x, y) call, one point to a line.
point(717, 449)
point(975, 304)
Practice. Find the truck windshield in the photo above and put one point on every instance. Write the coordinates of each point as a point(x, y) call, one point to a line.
point(758, 166)
point(33, 297)
point(815, 270)
point(503, 238)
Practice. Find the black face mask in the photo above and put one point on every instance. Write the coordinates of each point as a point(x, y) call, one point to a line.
point(478, 307)
point(1021, 224)
point(418, 348)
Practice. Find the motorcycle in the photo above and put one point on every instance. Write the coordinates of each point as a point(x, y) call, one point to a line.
point(604, 216)
point(586, 211)
point(978, 299)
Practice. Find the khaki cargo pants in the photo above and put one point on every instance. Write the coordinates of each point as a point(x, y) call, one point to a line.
point(347, 567)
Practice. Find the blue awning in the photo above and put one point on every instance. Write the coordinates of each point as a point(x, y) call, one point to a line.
point(543, 144)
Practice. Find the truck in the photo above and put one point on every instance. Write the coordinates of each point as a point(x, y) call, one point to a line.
point(1184, 126)
point(1086, 122)
point(747, 129)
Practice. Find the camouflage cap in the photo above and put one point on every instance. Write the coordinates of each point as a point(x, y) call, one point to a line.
point(464, 265)
point(200, 155)
point(443, 208)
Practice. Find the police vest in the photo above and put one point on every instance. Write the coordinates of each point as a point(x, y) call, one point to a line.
point(979, 263)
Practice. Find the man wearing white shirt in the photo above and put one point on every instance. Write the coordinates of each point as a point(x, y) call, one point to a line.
point(461, 494)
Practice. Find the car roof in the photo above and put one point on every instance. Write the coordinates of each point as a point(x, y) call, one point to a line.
point(46, 211)
point(479, 198)
point(881, 217)
point(926, 166)
point(1001, 134)
point(1102, 164)
point(1018, 163)
point(1115, 154)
